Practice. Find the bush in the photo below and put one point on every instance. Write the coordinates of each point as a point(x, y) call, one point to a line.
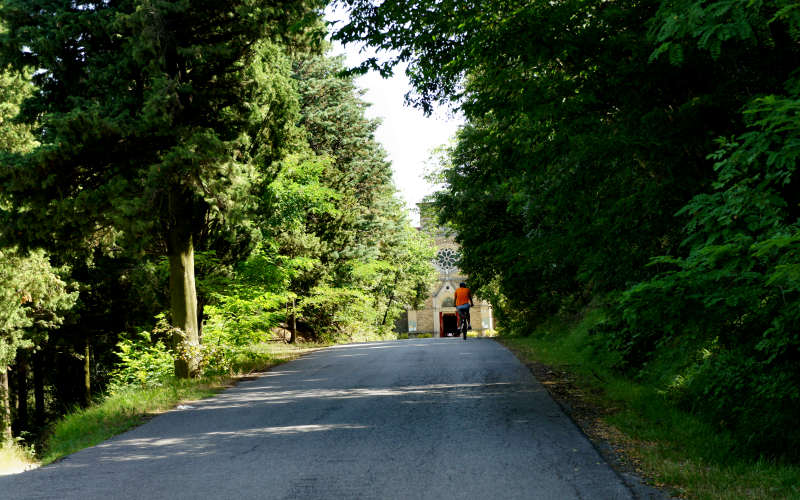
point(758, 400)
point(342, 314)
point(234, 324)
point(143, 362)
point(728, 312)
point(728, 363)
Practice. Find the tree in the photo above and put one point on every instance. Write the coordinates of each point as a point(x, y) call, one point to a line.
point(15, 87)
point(153, 116)
point(580, 146)
point(331, 215)
point(729, 299)
point(332, 113)
point(409, 255)
point(33, 298)
point(366, 244)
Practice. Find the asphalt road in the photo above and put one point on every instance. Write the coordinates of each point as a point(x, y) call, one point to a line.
point(414, 419)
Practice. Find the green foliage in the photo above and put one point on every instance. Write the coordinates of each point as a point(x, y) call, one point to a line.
point(681, 452)
point(332, 239)
point(590, 125)
point(244, 320)
point(141, 140)
point(341, 238)
point(680, 25)
point(157, 122)
point(236, 324)
point(33, 300)
point(578, 151)
point(15, 87)
point(240, 318)
point(339, 313)
point(733, 300)
point(34, 295)
point(143, 362)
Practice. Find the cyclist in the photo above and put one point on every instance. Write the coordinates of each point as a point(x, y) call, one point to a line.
point(463, 299)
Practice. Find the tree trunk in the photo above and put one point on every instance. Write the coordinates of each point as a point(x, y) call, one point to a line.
point(391, 298)
point(183, 295)
point(201, 305)
point(22, 391)
point(5, 406)
point(38, 388)
point(87, 375)
point(386, 312)
point(293, 325)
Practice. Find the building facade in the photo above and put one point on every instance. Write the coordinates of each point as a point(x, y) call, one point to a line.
point(438, 314)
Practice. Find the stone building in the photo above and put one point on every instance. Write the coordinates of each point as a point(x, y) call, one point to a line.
point(438, 313)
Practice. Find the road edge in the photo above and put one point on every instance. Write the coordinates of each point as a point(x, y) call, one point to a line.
point(613, 453)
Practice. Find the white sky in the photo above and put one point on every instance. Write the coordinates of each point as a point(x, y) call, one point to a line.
point(406, 133)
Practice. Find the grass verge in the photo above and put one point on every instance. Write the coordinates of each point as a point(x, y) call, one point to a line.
point(115, 414)
point(15, 458)
point(674, 450)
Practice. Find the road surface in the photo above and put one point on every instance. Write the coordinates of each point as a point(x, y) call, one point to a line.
point(412, 419)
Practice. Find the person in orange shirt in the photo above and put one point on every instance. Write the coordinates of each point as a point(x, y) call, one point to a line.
point(463, 299)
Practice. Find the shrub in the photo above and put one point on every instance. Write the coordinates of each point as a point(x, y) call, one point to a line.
point(341, 314)
point(234, 324)
point(728, 312)
point(143, 362)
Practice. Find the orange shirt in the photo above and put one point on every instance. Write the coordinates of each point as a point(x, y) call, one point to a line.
point(462, 296)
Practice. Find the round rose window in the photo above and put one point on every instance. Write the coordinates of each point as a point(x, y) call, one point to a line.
point(446, 259)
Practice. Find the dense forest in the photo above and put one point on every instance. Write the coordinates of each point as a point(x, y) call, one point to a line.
point(637, 156)
point(181, 180)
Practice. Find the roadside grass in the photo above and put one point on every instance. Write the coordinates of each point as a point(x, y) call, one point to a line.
point(262, 357)
point(114, 414)
point(406, 336)
point(15, 458)
point(675, 450)
point(85, 427)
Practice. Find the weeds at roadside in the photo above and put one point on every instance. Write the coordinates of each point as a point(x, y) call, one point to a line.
point(14, 457)
point(122, 411)
point(674, 449)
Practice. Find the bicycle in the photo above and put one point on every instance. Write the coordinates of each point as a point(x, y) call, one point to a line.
point(463, 325)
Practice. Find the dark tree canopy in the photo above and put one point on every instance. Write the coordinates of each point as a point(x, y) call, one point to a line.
point(153, 118)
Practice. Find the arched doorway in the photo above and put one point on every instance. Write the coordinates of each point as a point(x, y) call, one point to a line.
point(448, 325)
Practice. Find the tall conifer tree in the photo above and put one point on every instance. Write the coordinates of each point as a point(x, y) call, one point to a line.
point(153, 116)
